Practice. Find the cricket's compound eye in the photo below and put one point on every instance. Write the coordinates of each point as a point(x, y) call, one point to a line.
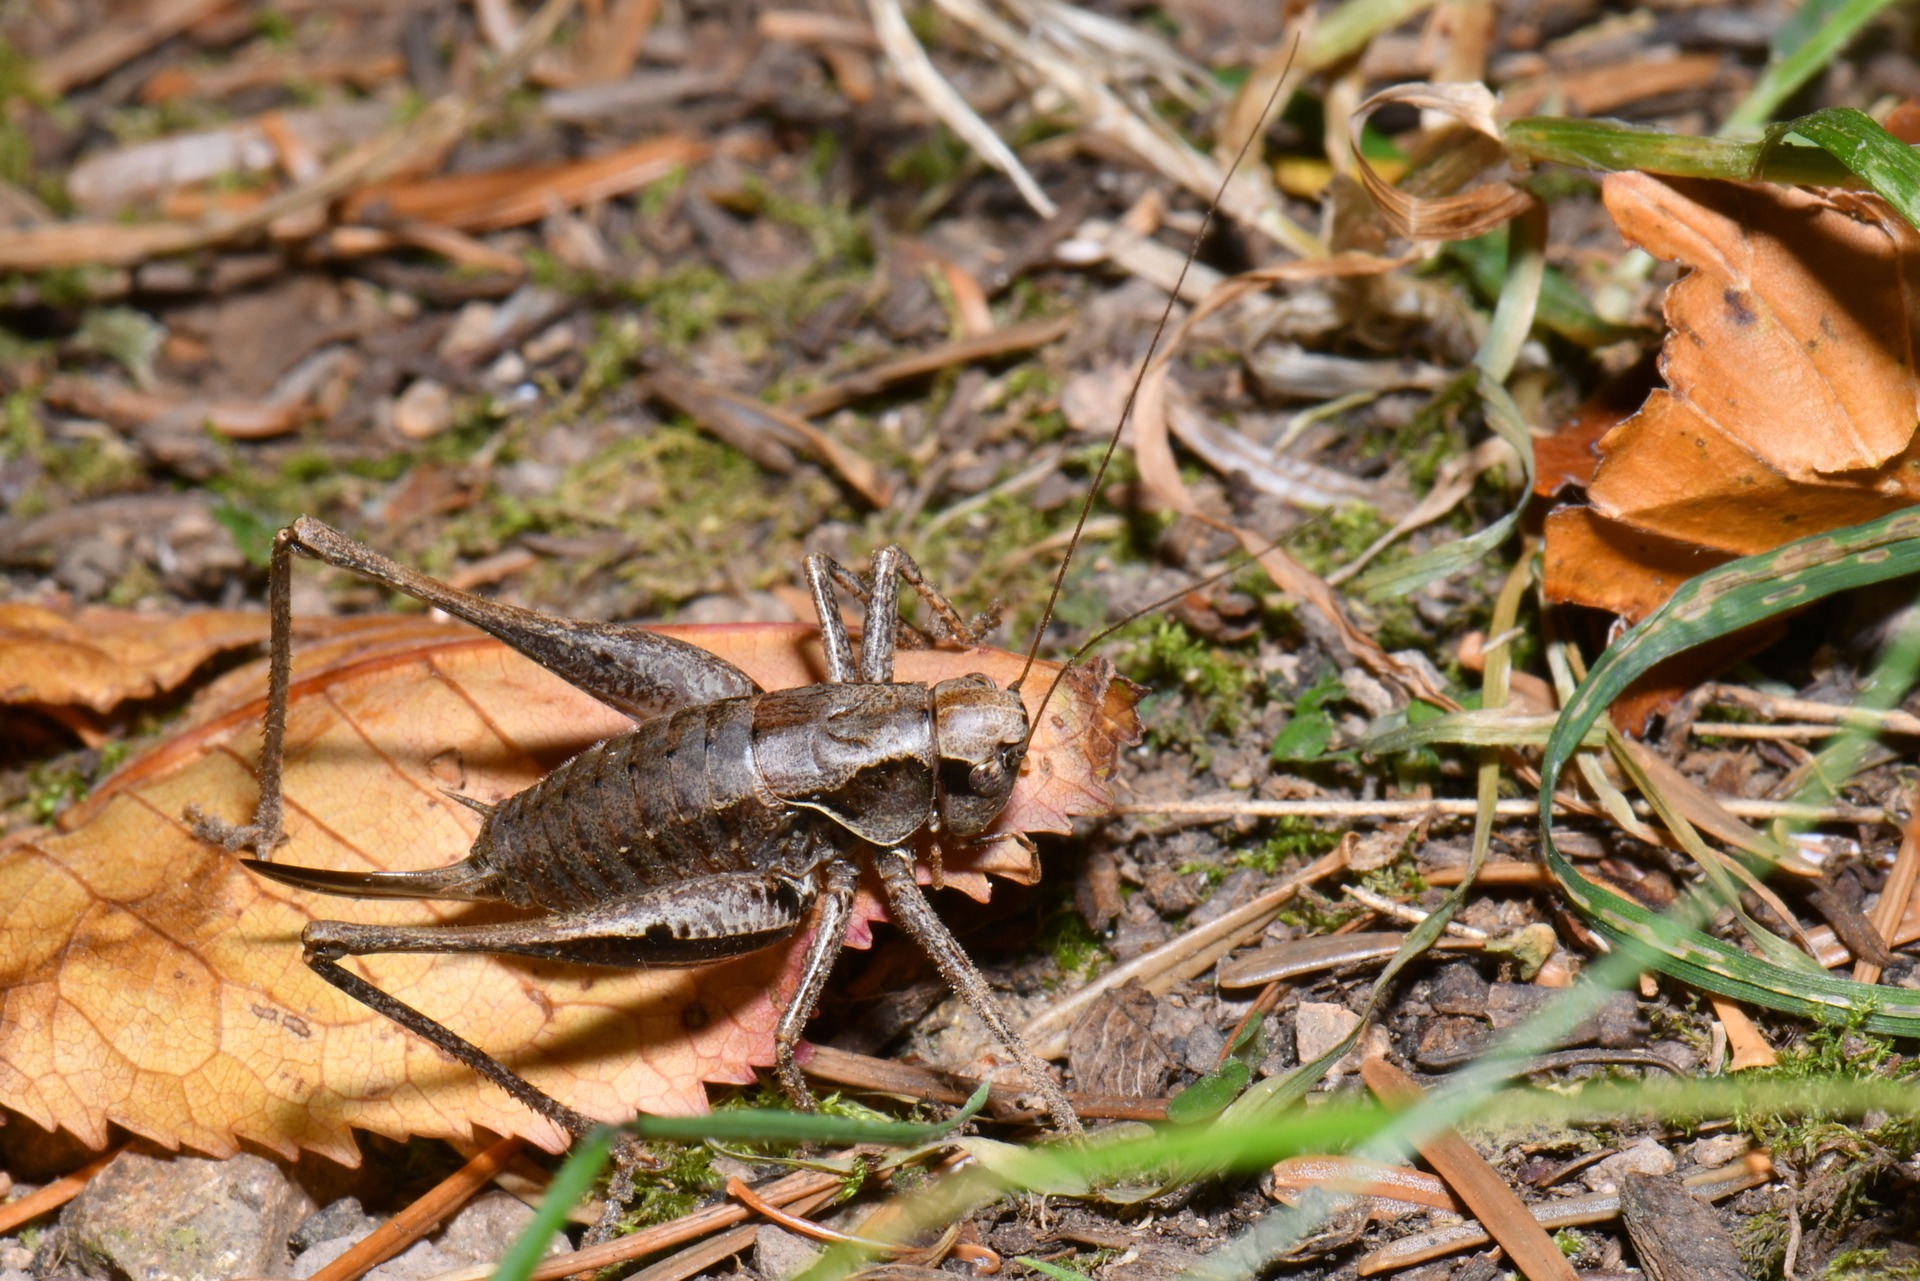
point(983, 777)
point(980, 736)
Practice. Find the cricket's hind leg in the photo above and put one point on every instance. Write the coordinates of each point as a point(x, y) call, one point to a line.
point(629, 669)
point(672, 927)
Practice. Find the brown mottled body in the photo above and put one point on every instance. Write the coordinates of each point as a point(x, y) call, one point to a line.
point(711, 830)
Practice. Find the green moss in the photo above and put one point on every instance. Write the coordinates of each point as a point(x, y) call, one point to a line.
point(1290, 840)
point(685, 502)
point(1314, 913)
point(137, 583)
point(939, 158)
point(60, 288)
point(308, 480)
point(1075, 948)
point(656, 197)
point(52, 787)
point(685, 1175)
point(1399, 879)
point(150, 122)
point(1217, 688)
point(1762, 1239)
point(1840, 1161)
point(1337, 537)
point(25, 437)
point(274, 28)
point(1434, 434)
point(93, 466)
point(1870, 1265)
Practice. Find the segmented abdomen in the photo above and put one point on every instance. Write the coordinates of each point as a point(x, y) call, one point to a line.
point(674, 799)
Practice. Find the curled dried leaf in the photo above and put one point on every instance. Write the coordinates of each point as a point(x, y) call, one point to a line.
point(1792, 396)
point(1458, 215)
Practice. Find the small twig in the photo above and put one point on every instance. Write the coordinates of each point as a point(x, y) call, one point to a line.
point(423, 1216)
point(739, 1191)
point(1894, 721)
point(1183, 956)
point(1474, 1181)
point(1405, 912)
point(983, 1260)
point(709, 1254)
point(791, 1190)
point(1740, 729)
point(54, 1195)
point(1895, 896)
point(1023, 336)
point(1595, 1207)
point(845, 1070)
point(1740, 806)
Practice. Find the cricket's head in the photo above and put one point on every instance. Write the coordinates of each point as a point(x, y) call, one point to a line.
point(980, 736)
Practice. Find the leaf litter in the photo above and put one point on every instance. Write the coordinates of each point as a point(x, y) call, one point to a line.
point(228, 1037)
point(489, 489)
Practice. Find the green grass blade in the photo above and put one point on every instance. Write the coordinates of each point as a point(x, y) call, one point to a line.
point(774, 1125)
point(1709, 606)
point(567, 1189)
point(1348, 28)
point(1612, 148)
point(1503, 416)
point(1806, 42)
point(762, 1125)
point(1882, 161)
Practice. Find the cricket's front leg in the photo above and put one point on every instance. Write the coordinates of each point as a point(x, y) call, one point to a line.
point(916, 916)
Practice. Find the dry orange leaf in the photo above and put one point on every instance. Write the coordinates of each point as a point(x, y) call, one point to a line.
point(147, 980)
point(99, 658)
point(1792, 394)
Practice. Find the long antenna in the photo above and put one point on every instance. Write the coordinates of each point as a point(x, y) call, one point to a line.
point(1238, 561)
point(1139, 376)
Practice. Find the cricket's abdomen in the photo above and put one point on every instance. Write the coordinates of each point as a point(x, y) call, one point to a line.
point(674, 800)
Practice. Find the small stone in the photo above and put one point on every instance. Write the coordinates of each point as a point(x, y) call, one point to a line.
point(424, 410)
point(181, 1218)
point(1458, 989)
point(417, 1262)
point(15, 1259)
point(344, 1217)
point(1719, 1149)
point(1318, 1026)
point(471, 331)
point(1369, 694)
point(779, 1254)
point(1645, 1157)
point(550, 344)
point(508, 369)
point(487, 1226)
point(1168, 891)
